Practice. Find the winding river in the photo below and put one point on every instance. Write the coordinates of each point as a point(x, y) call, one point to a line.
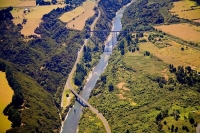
point(71, 122)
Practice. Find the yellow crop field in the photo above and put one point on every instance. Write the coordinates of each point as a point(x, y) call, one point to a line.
point(184, 31)
point(33, 17)
point(30, 26)
point(68, 16)
point(174, 55)
point(6, 94)
point(79, 22)
point(186, 9)
point(80, 15)
point(17, 3)
point(39, 11)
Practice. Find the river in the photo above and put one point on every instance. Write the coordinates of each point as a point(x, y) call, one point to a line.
point(70, 124)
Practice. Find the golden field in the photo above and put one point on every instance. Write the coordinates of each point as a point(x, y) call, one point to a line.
point(186, 9)
point(184, 31)
point(68, 16)
point(81, 14)
point(17, 3)
point(172, 54)
point(6, 94)
point(33, 17)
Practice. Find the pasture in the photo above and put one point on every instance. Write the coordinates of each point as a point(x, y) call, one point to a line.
point(173, 54)
point(80, 15)
point(79, 22)
point(186, 9)
point(33, 17)
point(6, 94)
point(68, 16)
point(184, 31)
point(17, 3)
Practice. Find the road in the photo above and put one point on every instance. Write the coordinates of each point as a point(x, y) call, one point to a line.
point(69, 79)
point(99, 115)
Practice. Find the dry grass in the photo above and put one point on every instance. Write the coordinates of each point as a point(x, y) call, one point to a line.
point(184, 31)
point(186, 9)
point(39, 11)
point(68, 16)
point(33, 17)
point(17, 3)
point(26, 3)
point(121, 86)
point(174, 55)
point(30, 26)
point(79, 22)
point(6, 94)
point(79, 16)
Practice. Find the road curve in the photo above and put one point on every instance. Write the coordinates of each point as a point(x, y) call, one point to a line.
point(69, 86)
point(68, 82)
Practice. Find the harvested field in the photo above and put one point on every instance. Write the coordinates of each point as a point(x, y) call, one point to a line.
point(39, 11)
point(79, 22)
point(17, 3)
point(68, 16)
point(184, 31)
point(174, 55)
point(186, 9)
point(6, 94)
point(79, 16)
point(26, 3)
point(33, 17)
point(30, 26)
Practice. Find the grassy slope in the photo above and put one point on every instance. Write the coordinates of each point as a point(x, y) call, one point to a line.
point(45, 118)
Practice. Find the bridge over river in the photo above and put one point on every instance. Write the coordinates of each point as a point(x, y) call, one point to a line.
point(83, 102)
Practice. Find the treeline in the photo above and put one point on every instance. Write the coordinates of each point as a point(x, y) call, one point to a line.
point(5, 14)
point(42, 2)
point(198, 1)
point(47, 59)
point(185, 75)
point(74, 2)
point(17, 99)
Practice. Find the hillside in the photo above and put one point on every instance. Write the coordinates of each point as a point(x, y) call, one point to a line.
point(40, 65)
point(151, 83)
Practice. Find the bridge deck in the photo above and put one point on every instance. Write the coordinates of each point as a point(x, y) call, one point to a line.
point(99, 115)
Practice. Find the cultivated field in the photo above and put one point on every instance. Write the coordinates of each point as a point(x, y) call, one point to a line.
point(81, 14)
point(68, 16)
point(33, 17)
point(184, 31)
point(174, 55)
point(186, 9)
point(6, 94)
point(17, 3)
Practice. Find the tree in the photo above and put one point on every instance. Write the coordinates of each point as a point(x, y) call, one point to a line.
point(111, 87)
point(16, 119)
point(122, 52)
point(127, 131)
